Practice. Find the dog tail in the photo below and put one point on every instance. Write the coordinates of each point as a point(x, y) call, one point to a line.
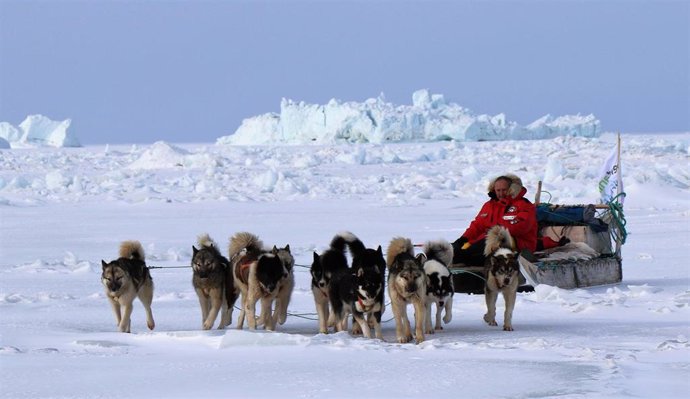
point(398, 246)
point(498, 237)
point(439, 250)
point(132, 250)
point(206, 241)
point(346, 238)
point(242, 241)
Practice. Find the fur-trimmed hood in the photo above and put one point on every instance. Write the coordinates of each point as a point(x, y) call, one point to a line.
point(516, 189)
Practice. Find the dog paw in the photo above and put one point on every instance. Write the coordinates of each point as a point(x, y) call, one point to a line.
point(447, 319)
point(207, 325)
point(439, 327)
point(507, 328)
point(419, 339)
point(429, 331)
point(404, 340)
point(490, 320)
point(151, 325)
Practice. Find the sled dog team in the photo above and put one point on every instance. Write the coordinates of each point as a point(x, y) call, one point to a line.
point(340, 290)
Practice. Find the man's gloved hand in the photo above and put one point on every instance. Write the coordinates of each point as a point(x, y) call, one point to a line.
point(564, 240)
point(461, 243)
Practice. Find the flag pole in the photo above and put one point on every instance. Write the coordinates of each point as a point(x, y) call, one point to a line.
point(618, 164)
point(618, 241)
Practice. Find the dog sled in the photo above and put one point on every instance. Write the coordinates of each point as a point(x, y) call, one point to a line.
point(590, 239)
point(591, 256)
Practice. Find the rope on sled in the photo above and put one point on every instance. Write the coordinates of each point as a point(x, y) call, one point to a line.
point(619, 233)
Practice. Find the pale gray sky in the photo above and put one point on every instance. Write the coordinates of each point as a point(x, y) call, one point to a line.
point(190, 71)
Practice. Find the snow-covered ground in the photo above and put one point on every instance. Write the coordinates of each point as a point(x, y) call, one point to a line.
point(62, 210)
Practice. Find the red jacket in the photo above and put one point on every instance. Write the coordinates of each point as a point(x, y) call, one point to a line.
point(516, 214)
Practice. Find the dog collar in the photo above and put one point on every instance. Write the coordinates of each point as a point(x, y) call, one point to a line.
point(362, 305)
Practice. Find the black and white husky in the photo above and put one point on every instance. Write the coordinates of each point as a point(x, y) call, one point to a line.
point(437, 255)
point(331, 261)
point(359, 290)
point(502, 275)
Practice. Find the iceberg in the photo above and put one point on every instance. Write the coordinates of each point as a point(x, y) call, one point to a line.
point(9, 133)
point(429, 118)
point(38, 130)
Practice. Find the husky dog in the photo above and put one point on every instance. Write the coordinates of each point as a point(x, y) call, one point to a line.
point(437, 255)
point(286, 284)
point(360, 290)
point(257, 274)
point(324, 266)
point(127, 278)
point(406, 284)
point(502, 272)
point(211, 278)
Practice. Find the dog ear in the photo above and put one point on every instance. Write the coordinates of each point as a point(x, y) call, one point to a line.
point(316, 257)
point(420, 258)
point(360, 272)
point(379, 251)
point(287, 247)
point(194, 250)
point(274, 250)
point(103, 264)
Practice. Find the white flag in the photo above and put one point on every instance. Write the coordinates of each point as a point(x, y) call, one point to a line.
point(611, 181)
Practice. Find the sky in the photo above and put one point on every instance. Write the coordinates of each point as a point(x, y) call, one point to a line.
point(182, 71)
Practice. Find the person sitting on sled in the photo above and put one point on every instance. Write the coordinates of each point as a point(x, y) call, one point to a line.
point(506, 207)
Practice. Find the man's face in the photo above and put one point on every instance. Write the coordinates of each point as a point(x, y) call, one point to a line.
point(501, 189)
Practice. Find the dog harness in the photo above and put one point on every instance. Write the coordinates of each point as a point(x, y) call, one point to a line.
point(242, 270)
